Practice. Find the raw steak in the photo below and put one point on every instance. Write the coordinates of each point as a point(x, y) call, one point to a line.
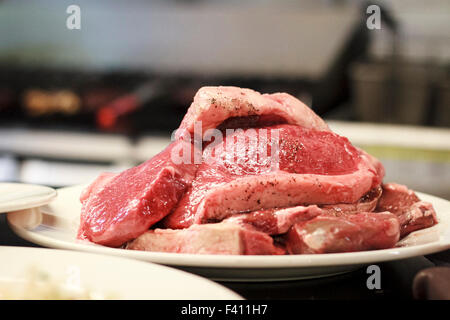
point(412, 213)
point(213, 238)
point(243, 108)
point(313, 167)
point(275, 221)
point(97, 185)
point(357, 232)
point(119, 207)
point(367, 203)
point(396, 198)
point(420, 215)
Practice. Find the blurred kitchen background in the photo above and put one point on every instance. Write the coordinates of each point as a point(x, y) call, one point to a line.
point(106, 97)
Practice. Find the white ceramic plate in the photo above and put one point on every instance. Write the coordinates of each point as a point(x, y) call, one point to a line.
point(58, 230)
point(94, 276)
point(18, 196)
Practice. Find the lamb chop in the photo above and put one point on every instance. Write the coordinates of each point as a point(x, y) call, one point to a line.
point(356, 232)
point(412, 213)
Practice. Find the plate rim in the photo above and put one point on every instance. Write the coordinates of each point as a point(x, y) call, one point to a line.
point(42, 200)
point(227, 293)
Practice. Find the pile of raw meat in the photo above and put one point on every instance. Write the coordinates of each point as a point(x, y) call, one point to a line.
point(229, 196)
